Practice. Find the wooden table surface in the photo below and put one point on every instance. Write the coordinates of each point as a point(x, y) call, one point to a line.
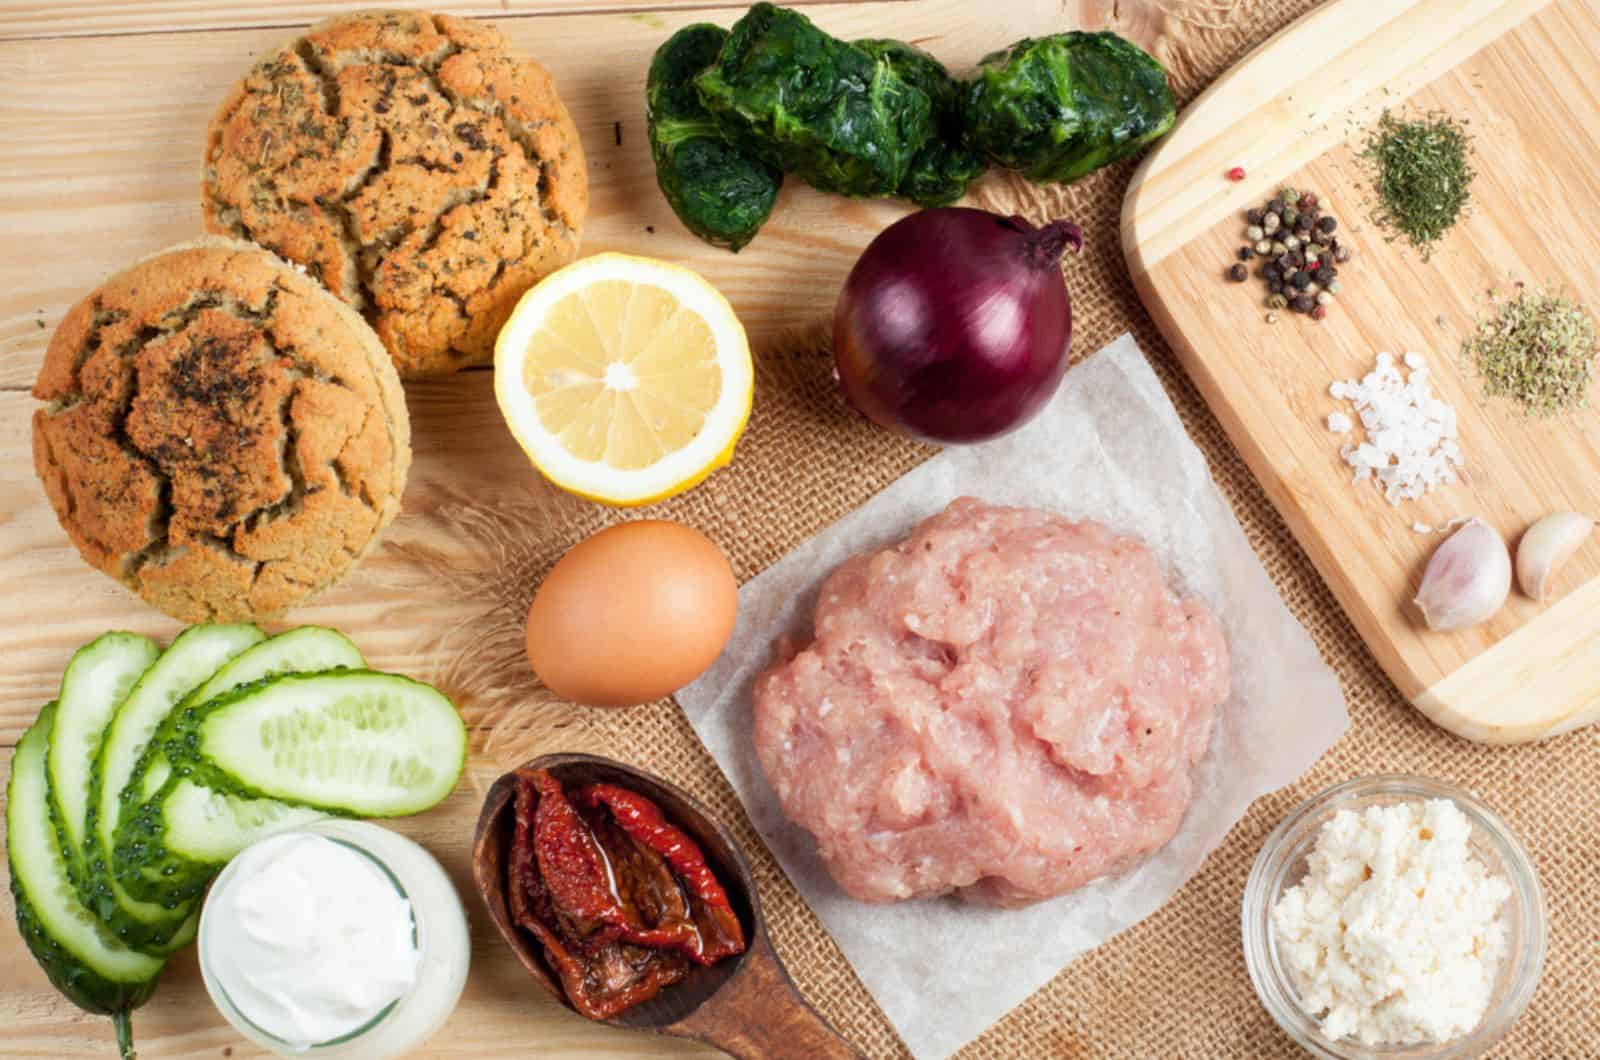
point(102, 118)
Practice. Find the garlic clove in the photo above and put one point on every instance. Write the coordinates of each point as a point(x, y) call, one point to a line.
point(1547, 545)
point(1467, 578)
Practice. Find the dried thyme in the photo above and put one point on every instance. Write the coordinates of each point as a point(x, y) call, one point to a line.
point(1537, 349)
point(1423, 176)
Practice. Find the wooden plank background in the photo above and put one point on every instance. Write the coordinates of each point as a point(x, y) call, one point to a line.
point(24, 19)
point(103, 117)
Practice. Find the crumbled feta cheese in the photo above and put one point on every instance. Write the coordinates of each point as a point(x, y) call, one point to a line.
point(1395, 935)
point(1411, 442)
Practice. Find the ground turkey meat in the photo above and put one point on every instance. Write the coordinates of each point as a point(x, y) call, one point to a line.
point(1006, 706)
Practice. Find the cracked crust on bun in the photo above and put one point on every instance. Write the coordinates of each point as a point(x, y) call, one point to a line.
point(423, 171)
point(222, 435)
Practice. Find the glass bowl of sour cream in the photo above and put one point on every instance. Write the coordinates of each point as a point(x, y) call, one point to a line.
point(341, 939)
point(1394, 917)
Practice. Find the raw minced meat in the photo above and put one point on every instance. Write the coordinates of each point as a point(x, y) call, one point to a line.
point(1006, 705)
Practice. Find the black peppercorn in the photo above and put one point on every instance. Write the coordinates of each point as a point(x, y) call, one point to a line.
point(1292, 236)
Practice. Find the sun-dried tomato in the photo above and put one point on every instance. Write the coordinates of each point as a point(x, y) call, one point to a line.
point(621, 899)
point(714, 930)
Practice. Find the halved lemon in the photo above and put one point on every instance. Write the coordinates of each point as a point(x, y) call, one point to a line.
point(626, 380)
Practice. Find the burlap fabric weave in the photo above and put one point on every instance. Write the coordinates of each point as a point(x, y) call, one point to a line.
point(1175, 985)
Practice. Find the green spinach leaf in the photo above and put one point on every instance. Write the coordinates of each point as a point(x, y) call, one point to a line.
point(815, 106)
point(941, 171)
point(1057, 108)
point(721, 193)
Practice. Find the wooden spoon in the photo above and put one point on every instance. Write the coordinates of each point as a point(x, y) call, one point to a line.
point(746, 1005)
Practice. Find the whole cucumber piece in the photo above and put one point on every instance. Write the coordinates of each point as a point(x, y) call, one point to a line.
point(81, 958)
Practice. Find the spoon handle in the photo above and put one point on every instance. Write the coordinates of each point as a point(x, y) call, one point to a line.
point(759, 1014)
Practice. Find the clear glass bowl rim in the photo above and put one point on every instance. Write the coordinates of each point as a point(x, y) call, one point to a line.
point(1268, 877)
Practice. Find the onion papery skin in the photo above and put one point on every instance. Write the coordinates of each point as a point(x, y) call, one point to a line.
point(954, 325)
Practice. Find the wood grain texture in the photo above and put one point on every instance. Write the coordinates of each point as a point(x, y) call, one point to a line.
point(25, 19)
point(103, 140)
point(105, 136)
point(1295, 113)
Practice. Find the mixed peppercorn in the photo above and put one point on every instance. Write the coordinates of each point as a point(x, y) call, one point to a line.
point(1299, 250)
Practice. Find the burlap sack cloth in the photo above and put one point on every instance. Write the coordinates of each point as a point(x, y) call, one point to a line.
point(1175, 985)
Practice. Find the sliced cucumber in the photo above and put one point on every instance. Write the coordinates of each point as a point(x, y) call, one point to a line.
point(307, 650)
point(82, 960)
point(95, 683)
point(175, 835)
point(176, 843)
point(349, 742)
point(154, 922)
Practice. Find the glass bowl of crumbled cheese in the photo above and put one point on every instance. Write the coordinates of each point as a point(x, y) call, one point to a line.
point(1394, 916)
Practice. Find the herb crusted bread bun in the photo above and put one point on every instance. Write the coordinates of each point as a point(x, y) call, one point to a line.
point(223, 436)
point(423, 171)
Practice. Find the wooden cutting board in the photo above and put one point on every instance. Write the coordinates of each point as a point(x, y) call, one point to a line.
point(1526, 75)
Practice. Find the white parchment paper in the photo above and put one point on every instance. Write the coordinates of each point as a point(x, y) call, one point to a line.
point(1109, 447)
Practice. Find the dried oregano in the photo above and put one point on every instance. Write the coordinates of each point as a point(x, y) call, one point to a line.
point(1537, 349)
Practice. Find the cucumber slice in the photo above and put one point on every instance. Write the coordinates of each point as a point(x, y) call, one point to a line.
point(175, 833)
point(209, 828)
point(306, 650)
point(349, 742)
point(82, 960)
point(177, 842)
point(95, 682)
point(153, 922)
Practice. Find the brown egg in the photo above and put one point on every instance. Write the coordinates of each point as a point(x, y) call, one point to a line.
point(632, 614)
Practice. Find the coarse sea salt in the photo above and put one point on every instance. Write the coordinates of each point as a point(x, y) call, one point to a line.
point(1411, 444)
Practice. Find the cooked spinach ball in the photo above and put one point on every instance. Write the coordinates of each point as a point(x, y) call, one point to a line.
point(1057, 108)
point(942, 169)
point(730, 112)
point(815, 106)
point(721, 193)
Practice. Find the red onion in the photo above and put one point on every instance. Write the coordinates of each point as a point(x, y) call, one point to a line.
point(954, 324)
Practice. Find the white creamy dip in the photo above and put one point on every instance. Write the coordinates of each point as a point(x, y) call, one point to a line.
point(311, 940)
